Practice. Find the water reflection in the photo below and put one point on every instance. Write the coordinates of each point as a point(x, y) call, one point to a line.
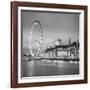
point(49, 67)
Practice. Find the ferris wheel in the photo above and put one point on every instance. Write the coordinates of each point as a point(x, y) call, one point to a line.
point(38, 43)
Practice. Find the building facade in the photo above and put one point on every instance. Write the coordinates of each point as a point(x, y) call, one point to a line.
point(63, 51)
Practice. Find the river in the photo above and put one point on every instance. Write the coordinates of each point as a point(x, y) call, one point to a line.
point(48, 68)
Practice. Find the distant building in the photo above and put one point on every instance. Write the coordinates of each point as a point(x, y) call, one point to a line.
point(63, 51)
point(69, 41)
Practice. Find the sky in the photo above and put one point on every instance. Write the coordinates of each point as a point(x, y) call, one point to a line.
point(54, 25)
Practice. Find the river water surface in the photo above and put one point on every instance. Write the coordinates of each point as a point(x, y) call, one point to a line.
point(48, 67)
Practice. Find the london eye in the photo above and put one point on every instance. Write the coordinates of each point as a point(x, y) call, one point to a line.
point(38, 41)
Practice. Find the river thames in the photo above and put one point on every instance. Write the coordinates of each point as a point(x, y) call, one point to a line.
point(49, 68)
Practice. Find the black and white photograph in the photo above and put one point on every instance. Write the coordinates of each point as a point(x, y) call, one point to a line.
point(50, 43)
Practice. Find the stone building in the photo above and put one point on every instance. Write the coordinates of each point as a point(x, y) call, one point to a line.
point(63, 51)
